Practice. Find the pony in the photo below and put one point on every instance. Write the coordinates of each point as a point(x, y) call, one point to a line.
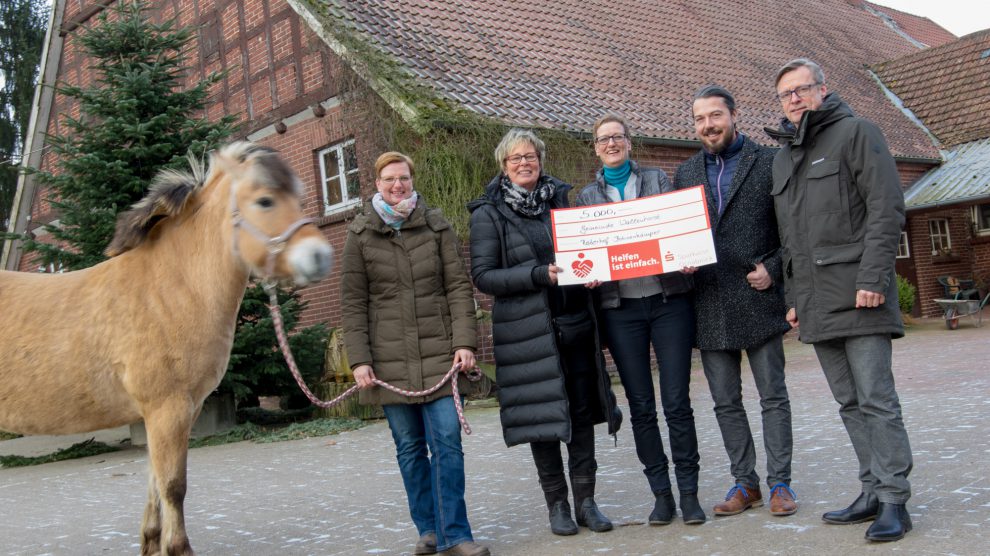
point(147, 333)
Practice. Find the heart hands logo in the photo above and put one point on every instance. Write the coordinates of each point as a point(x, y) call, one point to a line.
point(583, 267)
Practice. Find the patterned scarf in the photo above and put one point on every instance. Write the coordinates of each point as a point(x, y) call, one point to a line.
point(395, 215)
point(528, 203)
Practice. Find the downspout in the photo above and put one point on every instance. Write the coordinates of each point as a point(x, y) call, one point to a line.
point(41, 107)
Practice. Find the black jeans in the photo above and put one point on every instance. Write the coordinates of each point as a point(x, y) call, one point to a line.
point(580, 374)
point(668, 324)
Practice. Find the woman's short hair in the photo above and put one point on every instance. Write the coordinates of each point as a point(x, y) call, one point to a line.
point(512, 139)
point(392, 157)
point(711, 91)
point(816, 70)
point(607, 118)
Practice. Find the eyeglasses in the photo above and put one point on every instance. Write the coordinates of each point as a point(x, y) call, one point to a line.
point(804, 91)
point(619, 138)
point(405, 180)
point(518, 158)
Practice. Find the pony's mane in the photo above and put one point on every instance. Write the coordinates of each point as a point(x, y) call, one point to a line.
point(269, 169)
point(172, 189)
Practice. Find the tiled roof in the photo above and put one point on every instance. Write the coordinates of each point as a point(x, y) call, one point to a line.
point(919, 28)
point(965, 176)
point(561, 63)
point(946, 87)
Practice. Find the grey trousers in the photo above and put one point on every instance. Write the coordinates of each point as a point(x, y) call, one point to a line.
point(723, 371)
point(858, 370)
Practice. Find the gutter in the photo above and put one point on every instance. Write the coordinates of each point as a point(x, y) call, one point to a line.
point(34, 144)
point(948, 204)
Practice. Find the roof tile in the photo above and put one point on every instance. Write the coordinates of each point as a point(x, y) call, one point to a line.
point(945, 87)
point(562, 63)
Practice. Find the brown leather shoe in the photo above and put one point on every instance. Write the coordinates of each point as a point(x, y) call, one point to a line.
point(738, 500)
point(469, 548)
point(782, 500)
point(427, 544)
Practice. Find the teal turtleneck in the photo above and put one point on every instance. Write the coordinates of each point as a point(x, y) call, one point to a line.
point(617, 177)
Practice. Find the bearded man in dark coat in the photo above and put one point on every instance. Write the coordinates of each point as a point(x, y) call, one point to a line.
point(739, 300)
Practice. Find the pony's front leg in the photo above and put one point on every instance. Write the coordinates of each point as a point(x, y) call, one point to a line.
point(168, 445)
point(151, 524)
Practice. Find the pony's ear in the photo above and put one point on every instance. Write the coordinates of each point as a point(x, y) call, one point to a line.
point(168, 196)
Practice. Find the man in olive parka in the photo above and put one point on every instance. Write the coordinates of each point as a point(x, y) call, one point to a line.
point(840, 210)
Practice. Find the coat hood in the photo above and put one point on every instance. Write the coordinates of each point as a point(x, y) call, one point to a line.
point(369, 219)
point(833, 109)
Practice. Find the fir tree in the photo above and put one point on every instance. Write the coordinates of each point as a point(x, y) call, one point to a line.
point(137, 118)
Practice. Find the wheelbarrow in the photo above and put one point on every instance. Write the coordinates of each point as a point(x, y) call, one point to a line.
point(956, 309)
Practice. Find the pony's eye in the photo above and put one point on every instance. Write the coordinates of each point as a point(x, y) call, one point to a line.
point(265, 202)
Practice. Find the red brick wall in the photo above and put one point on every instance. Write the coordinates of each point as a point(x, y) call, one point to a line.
point(911, 171)
point(970, 255)
point(277, 68)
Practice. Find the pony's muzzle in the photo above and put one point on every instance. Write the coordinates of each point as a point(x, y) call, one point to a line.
point(310, 260)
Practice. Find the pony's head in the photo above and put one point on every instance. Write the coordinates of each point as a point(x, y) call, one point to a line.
point(270, 233)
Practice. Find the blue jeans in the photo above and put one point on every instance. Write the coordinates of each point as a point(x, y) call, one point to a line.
point(858, 370)
point(667, 324)
point(435, 482)
point(723, 370)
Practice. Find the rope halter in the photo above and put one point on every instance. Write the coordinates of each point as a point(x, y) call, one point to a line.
point(274, 245)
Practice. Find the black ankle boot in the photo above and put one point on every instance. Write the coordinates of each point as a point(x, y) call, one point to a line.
point(862, 509)
point(691, 510)
point(589, 516)
point(892, 523)
point(586, 510)
point(663, 509)
point(561, 522)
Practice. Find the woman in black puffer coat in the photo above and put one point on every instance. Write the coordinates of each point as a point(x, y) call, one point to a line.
point(550, 370)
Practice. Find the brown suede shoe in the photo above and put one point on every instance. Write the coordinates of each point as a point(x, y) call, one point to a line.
point(738, 500)
point(469, 548)
point(782, 500)
point(427, 544)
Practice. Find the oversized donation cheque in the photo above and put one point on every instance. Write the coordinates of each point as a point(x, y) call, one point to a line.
point(629, 239)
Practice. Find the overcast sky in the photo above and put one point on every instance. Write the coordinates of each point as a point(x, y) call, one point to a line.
point(960, 17)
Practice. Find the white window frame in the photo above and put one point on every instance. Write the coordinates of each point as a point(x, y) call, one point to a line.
point(977, 228)
point(51, 268)
point(903, 248)
point(938, 231)
point(343, 175)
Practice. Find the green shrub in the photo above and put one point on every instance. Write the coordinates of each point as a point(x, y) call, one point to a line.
point(905, 294)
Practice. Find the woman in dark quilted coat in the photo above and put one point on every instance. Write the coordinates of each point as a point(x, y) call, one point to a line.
point(408, 315)
point(550, 370)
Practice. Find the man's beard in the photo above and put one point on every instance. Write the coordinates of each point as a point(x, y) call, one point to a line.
point(723, 143)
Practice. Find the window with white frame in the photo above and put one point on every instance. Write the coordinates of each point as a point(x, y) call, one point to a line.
point(51, 268)
point(938, 230)
point(903, 251)
point(981, 219)
point(339, 177)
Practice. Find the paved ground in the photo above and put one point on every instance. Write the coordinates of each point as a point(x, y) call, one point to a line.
point(343, 495)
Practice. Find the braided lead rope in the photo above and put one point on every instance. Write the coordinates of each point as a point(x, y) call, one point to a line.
point(472, 375)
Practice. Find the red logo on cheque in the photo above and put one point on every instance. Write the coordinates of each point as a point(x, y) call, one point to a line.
point(582, 268)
